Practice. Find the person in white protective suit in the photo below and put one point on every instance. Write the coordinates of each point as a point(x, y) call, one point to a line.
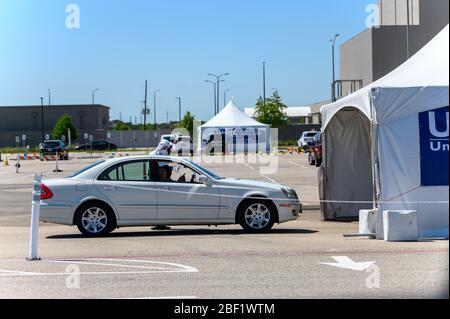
point(163, 148)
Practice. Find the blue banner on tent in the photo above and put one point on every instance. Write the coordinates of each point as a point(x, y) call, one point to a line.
point(434, 147)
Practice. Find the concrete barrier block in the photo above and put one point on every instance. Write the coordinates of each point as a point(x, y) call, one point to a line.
point(400, 225)
point(367, 221)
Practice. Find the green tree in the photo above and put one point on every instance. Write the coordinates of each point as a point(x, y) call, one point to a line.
point(121, 126)
point(188, 122)
point(272, 112)
point(64, 124)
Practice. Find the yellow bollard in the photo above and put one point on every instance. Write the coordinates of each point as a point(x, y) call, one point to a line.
point(6, 160)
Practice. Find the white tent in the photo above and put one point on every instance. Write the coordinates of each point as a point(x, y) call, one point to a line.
point(387, 144)
point(235, 131)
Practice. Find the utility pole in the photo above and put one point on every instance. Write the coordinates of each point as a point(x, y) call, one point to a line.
point(154, 108)
point(167, 117)
point(93, 95)
point(179, 108)
point(264, 83)
point(145, 107)
point(42, 119)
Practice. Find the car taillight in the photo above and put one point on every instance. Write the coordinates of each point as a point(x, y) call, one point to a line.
point(46, 193)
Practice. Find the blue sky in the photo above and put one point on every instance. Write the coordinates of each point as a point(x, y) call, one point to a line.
point(174, 45)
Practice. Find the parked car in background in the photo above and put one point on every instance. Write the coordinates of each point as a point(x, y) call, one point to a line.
point(162, 190)
point(182, 146)
point(306, 139)
point(99, 145)
point(53, 147)
point(315, 151)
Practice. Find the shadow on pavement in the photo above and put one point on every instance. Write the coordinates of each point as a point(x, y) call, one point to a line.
point(184, 232)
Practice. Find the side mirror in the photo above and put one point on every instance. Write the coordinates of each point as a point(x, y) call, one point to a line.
point(204, 180)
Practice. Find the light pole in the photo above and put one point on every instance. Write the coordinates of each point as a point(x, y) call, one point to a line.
point(49, 98)
point(179, 108)
point(333, 41)
point(407, 31)
point(264, 83)
point(154, 107)
point(93, 95)
point(218, 77)
point(215, 94)
point(225, 97)
point(42, 119)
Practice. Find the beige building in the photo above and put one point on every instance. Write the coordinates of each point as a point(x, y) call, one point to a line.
point(376, 51)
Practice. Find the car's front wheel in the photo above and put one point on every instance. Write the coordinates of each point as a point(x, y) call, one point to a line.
point(257, 215)
point(311, 160)
point(95, 219)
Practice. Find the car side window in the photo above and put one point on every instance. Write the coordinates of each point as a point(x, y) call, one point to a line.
point(137, 171)
point(172, 172)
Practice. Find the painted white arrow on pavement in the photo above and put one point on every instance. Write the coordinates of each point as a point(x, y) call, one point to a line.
point(347, 263)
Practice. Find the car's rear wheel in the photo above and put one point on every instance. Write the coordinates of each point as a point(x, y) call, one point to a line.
point(257, 215)
point(95, 219)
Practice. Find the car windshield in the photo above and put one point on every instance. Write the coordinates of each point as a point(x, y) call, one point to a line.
point(51, 144)
point(208, 172)
point(312, 134)
point(85, 169)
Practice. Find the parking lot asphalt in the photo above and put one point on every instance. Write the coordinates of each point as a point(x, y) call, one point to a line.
point(296, 260)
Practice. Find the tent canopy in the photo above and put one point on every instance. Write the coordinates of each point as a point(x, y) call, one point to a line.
point(234, 130)
point(428, 67)
point(379, 144)
point(232, 116)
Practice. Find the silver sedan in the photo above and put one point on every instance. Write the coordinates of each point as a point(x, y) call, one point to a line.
point(162, 190)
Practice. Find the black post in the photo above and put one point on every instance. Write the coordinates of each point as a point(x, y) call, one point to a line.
point(42, 119)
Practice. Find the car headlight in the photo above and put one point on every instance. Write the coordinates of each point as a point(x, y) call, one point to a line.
point(287, 193)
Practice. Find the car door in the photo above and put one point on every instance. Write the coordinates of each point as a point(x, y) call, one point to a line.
point(129, 187)
point(180, 196)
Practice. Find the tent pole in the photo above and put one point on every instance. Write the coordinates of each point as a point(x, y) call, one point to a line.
point(374, 153)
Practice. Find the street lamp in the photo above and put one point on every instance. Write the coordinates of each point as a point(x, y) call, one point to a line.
point(42, 119)
point(333, 41)
point(225, 97)
point(218, 77)
point(93, 95)
point(154, 106)
point(215, 94)
point(264, 82)
point(179, 108)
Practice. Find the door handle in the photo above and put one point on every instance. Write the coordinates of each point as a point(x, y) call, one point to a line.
point(109, 187)
point(166, 188)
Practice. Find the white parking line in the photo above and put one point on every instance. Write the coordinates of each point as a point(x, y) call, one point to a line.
point(248, 166)
point(165, 297)
point(296, 164)
point(170, 268)
point(272, 180)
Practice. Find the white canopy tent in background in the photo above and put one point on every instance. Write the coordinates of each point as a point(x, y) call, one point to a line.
point(236, 131)
point(377, 143)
